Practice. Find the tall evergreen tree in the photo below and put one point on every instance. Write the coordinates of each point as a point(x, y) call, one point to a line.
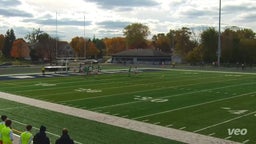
point(9, 39)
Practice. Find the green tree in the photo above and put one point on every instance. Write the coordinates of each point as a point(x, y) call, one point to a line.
point(46, 46)
point(1, 42)
point(162, 42)
point(9, 39)
point(195, 56)
point(183, 42)
point(33, 36)
point(136, 35)
point(99, 43)
point(209, 42)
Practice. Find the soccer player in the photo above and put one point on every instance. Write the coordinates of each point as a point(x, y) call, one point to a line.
point(7, 134)
point(2, 125)
point(26, 137)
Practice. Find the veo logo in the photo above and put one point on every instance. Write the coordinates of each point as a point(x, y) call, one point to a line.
point(237, 131)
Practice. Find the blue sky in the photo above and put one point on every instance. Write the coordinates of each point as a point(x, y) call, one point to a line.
point(107, 18)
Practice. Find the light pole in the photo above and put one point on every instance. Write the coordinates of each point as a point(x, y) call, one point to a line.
point(84, 40)
point(219, 36)
point(56, 44)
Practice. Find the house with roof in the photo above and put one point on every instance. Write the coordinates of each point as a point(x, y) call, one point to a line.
point(142, 56)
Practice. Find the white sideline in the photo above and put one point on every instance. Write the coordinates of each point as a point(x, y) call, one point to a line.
point(156, 130)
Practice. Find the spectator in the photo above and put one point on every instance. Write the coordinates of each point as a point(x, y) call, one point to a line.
point(7, 134)
point(40, 137)
point(43, 70)
point(26, 137)
point(2, 125)
point(64, 139)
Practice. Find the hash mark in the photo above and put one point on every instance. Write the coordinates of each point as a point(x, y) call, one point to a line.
point(156, 123)
point(246, 141)
point(226, 138)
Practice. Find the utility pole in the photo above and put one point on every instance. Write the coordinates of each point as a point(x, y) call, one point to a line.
point(219, 36)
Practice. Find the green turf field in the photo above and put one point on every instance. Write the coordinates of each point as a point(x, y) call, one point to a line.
point(209, 103)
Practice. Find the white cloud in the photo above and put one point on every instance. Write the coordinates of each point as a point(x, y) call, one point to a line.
point(107, 18)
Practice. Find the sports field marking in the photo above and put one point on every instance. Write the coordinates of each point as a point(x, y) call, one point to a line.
point(169, 125)
point(182, 128)
point(22, 77)
point(169, 133)
point(206, 71)
point(195, 105)
point(212, 134)
point(224, 122)
point(229, 137)
point(156, 123)
point(17, 107)
point(192, 84)
point(246, 141)
point(169, 96)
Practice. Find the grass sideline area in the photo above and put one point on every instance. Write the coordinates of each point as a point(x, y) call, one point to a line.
point(81, 130)
point(210, 103)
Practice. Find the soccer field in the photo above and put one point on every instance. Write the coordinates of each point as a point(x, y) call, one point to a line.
point(218, 104)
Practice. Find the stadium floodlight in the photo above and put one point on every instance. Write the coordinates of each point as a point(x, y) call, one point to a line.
point(219, 36)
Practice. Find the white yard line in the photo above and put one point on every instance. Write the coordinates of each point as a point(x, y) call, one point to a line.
point(224, 122)
point(204, 71)
point(195, 105)
point(169, 96)
point(156, 130)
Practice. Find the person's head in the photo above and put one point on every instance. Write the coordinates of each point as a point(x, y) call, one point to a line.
point(42, 128)
point(3, 117)
point(8, 123)
point(28, 127)
point(64, 131)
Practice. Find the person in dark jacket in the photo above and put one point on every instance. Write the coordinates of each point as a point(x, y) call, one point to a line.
point(40, 137)
point(64, 139)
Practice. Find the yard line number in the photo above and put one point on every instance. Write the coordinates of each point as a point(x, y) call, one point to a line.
point(150, 99)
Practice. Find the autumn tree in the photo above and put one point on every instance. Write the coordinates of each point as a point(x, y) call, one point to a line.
point(92, 51)
point(114, 45)
point(183, 42)
point(79, 46)
point(136, 35)
point(195, 56)
point(9, 39)
point(20, 49)
point(84, 47)
point(162, 42)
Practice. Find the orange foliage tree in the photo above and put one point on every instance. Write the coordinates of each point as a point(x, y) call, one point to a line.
point(84, 48)
point(92, 51)
point(114, 45)
point(20, 49)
